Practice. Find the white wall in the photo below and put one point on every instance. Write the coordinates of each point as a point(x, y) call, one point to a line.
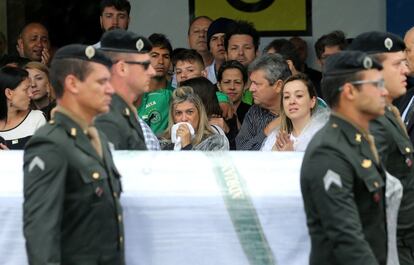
point(351, 16)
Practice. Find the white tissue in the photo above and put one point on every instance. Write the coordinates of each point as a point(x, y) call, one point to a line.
point(177, 140)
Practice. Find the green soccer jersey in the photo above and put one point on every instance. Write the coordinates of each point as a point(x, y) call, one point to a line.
point(154, 109)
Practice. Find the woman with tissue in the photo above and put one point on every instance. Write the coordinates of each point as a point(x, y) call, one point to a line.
point(188, 126)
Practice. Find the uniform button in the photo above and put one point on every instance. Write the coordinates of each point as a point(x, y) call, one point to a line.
point(73, 132)
point(95, 175)
point(121, 239)
point(334, 125)
point(119, 218)
point(376, 184)
point(407, 149)
point(115, 194)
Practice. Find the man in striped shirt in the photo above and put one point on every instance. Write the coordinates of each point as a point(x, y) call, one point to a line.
point(266, 74)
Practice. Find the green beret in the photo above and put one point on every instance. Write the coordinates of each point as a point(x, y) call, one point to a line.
point(377, 42)
point(348, 62)
point(119, 40)
point(82, 52)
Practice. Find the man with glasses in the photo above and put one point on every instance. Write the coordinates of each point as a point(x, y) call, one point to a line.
point(391, 139)
point(342, 179)
point(131, 75)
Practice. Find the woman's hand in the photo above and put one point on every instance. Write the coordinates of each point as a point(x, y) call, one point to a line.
point(227, 109)
point(184, 132)
point(219, 122)
point(283, 142)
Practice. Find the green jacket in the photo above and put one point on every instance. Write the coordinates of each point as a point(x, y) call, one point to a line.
point(71, 210)
point(343, 190)
point(121, 126)
point(396, 152)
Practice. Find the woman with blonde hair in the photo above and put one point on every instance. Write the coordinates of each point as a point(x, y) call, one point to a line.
point(188, 125)
point(300, 116)
point(42, 95)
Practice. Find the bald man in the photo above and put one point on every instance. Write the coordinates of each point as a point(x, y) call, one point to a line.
point(33, 43)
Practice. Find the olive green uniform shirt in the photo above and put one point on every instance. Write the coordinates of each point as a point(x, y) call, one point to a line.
point(343, 189)
point(121, 126)
point(71, 211)
point(396, 152)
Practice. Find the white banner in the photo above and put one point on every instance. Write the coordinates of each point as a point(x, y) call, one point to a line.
point(174, 210)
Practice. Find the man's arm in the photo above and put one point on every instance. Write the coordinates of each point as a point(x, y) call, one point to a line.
point(250, 137)
point(112, 131)
point(44, 191)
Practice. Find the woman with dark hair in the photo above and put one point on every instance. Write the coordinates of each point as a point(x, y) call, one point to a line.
point(300, 116)
point(231, 79)
point(17, 122)
point(188, 126)
point(42, 96)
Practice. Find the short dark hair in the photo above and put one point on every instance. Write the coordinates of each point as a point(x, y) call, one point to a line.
point(122, 5)
point(286, 49)
point(60, 68)
point(241, 27)
point(232, 64)
point(187, 55)
point(331, 86)
point(10, 77)
point(207, 93)
point(335, 38)
point(161, 41)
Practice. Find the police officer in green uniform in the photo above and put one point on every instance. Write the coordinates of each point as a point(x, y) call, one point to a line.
point(131, 75)
point(342, 180)
point(72, 214)
point(390, 134)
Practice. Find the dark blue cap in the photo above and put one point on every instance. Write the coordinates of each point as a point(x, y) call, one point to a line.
point(348, 62)
point(124, 41)
point(82, 52)
point(377, 42)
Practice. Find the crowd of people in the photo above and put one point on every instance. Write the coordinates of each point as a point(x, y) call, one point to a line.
point(68, 109)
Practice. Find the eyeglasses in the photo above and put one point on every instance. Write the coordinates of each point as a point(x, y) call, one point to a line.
point(377, 83)
point(145, 64)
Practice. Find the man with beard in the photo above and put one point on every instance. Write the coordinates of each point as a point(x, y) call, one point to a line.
point(114, 15)
point(153, 107)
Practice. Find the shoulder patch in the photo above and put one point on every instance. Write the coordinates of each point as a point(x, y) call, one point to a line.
point(330, 178)
point(36, 162)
